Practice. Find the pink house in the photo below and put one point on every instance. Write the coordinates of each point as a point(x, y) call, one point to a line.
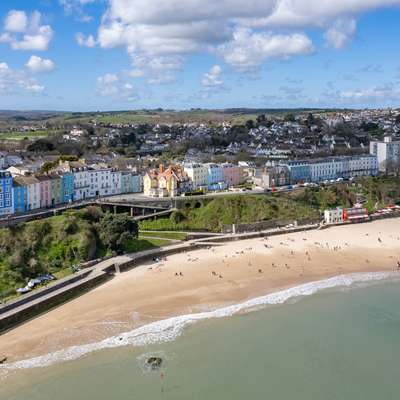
point(232, 174)
point(45, 190)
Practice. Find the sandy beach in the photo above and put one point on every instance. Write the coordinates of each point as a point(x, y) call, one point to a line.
point(206, 279)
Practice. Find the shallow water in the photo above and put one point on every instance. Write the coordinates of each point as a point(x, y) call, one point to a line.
point(343, 344)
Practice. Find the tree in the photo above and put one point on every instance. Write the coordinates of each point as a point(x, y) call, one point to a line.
point(116, 230)
point(250, 124)
point(261, 119)
point(290, 117)
point(41, 146)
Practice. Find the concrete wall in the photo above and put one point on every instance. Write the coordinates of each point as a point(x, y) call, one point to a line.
point(34, 308)
point(265, 225)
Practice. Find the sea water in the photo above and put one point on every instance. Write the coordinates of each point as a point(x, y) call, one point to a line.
point(341, 343)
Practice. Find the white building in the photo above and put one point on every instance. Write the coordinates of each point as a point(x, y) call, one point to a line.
point(81, 183)
point(334, 216)
point(387, 153)
point(332, 168)
point(99, 181)
point(198, 173)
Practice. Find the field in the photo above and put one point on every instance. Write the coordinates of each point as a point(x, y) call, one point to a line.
point(25, 135)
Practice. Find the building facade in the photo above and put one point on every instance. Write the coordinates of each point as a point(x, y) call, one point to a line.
point(387, 153)
point(332, 168)
point(232, 174)
point(45, 190)
point(20, 197)
point(169, 182)
point(6, 193)
point(67, 187)
point(215, 177)
point(198, 173)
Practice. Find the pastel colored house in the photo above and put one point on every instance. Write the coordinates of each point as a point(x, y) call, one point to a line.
point(232, 174)
point(169, 182)
point(6, 193)
point(126, 182)
point(198, 173)
point(67, 187)
point(56, 192)
point(215, 177)
point(20, 196)
point(45, 190)
point(137, 183)
point(33, 191)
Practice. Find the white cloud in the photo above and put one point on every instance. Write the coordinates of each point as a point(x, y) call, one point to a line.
point(76, 8)
point(157, 69)
point(16, 21)
point(212, 78)
point(85, 41)
point(172, 29)
point(38, 65)
point(23, 33)
point(383, 93)
point(248, 50)
point(111, 85)
point(341, 32)
point(12, 81)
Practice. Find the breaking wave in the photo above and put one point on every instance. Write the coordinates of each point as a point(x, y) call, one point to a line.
point(171, 328)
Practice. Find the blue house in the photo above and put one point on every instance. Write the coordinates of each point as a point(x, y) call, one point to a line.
point(67, 187)
point(215, 177)
point(137, 184)
point(6, 193)
point(20, 197)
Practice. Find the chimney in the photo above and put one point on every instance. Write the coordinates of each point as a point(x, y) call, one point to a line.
point(161, 168)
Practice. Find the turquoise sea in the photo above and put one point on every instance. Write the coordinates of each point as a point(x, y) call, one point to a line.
point(336, 344)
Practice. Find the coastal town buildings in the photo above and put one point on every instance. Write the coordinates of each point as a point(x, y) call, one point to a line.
point(332, 168)
point(198, 173)
point(6, 181)
point(387, 153)
point(168, 182)
point(215, 177)
point(20, 196)
point(45, 183)
point(232, 174)
point(272, 177)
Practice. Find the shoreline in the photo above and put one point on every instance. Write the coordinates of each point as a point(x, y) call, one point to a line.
point(245, 270)
point(170, 329)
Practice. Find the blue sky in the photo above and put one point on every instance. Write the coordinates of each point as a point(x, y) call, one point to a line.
point(83, 55)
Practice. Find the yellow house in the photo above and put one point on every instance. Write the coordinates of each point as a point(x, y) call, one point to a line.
point(166, 182)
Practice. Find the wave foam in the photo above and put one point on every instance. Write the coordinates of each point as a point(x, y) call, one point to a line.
point(171, 328)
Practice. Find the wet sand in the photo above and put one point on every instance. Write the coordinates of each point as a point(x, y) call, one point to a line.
point(207, 279)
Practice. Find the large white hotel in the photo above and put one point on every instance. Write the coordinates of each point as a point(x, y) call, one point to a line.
point(319, 170)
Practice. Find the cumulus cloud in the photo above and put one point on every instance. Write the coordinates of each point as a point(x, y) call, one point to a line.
point(341, 32)
point(383, 93)
point(26, 33)
point(12, 80)
point(85, 41)
point(170, 30)
point(111, 85)
point(212, 78)
point(248, 50)
point(38, 65)
point(16, 21)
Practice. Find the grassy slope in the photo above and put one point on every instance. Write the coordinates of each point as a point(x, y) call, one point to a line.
point(53, 245)
point(235, 209)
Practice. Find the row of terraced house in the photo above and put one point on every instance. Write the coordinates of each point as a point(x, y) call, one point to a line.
point(66, 183)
